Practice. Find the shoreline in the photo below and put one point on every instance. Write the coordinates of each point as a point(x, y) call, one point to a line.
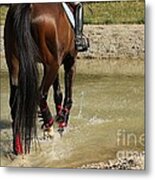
point(106, 42)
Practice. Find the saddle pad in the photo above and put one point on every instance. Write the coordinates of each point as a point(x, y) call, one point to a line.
point(69, 14)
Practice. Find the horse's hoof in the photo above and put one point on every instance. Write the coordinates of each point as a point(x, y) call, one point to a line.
point(61, 130)
point(48, 133)
point(61, 127)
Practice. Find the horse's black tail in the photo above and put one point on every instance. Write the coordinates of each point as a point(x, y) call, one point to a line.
point(27, 96)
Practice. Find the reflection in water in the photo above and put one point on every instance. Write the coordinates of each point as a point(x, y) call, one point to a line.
point(103, 105)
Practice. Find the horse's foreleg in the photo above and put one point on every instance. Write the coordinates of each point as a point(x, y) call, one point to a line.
point(69, 77)
point(70, 68)
point(57, 95)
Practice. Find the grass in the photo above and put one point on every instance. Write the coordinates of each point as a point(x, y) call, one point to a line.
point(119, 12)
point(3, 11)
point(127, 12)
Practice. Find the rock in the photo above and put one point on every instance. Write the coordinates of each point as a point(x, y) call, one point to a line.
point(135, 162)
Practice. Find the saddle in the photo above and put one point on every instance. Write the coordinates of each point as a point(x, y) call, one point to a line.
point(69, 14)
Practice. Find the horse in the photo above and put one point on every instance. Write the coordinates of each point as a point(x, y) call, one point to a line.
point(38, 33)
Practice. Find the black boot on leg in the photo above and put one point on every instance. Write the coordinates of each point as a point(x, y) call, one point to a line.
point(81, 42)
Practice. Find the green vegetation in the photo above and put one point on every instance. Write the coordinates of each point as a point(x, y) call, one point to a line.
point(119, 12)
point(3, 11)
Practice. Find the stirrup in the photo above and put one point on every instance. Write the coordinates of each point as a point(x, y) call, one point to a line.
point(82, 43)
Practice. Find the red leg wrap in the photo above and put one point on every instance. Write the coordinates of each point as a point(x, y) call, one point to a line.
point(50, 123)
point(18, 145)
point(59, 109)
point(62, 124)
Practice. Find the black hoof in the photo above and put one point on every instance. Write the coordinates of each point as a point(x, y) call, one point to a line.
point(61, 130)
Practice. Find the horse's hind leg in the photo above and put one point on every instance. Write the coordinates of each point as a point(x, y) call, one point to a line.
point(13, 65)
point(13, 73)
point(50, 72)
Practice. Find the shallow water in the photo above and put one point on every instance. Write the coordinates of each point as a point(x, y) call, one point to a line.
point(107, 118)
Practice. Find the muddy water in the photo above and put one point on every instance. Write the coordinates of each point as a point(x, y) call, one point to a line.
point(107, 118)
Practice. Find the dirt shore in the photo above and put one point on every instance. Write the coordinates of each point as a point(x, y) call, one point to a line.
point(106, 42)
point(115, 41)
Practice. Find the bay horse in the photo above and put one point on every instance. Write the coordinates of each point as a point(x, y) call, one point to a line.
point(33, 33)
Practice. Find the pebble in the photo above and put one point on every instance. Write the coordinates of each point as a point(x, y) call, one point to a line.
point(135, 162)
